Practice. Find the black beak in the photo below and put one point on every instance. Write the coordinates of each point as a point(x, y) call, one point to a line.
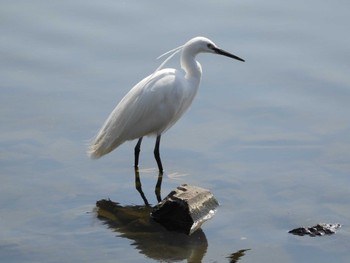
point(227, 54)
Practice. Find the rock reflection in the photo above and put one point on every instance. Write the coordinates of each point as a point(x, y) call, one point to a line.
point(234, 257)
point(149, 237)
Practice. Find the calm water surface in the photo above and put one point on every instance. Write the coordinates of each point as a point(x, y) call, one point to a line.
point(269, 137)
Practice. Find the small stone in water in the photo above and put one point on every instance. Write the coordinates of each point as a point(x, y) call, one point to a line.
point(317, 230)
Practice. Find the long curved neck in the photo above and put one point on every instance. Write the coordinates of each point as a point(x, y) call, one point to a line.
point(189, 64)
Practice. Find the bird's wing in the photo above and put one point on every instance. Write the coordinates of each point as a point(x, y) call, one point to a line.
point(152, 106)
point(148, 108)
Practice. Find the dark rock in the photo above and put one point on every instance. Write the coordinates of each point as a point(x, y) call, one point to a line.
point(317, 230)
point(185, 209)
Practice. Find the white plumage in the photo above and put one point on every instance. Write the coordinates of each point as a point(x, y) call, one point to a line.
point(154, 104)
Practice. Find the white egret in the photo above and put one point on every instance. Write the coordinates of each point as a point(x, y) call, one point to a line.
point(154, 104)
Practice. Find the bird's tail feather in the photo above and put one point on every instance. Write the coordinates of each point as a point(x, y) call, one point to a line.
point(93, 151)
point(100, 146)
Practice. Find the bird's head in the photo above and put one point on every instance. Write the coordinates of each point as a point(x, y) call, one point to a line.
point(205, 45)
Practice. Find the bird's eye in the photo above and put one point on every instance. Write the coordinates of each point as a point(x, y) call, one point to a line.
point(210, 46)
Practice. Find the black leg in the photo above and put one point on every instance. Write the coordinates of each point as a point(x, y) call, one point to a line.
point(156, 154)
point(137, 153)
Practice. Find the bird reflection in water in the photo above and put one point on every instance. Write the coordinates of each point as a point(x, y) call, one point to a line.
point(157, 189)
point(150, 238)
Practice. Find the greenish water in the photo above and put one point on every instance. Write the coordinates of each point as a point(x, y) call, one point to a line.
point(269, 137)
